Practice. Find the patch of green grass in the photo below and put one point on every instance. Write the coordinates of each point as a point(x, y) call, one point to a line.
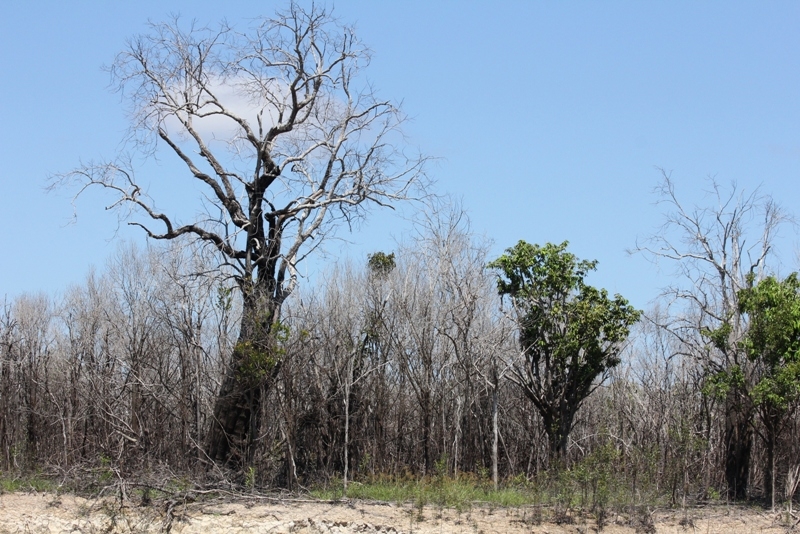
point(10, 484)
point(593, 485)
point(441, 491)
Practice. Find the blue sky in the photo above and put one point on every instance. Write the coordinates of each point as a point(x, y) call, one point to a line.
point(549, 119)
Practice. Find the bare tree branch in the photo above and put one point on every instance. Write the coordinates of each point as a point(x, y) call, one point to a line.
point(291, 142)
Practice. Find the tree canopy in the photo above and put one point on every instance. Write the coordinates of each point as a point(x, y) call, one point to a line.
point(570, 333)
point(772, 343)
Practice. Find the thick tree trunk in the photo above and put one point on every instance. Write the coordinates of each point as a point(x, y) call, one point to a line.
point(346, 438)
point(558, 443)
point(495, 435)
point(771, 424)
point(769, 473)
point(235, 414)
point(557, 424)
point(253, 364)
point(738, 444)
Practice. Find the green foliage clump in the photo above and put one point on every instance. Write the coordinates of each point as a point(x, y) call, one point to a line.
point(255, 364)
point(380, 263)
point(773, 339)
point(772, 343)
point(720, 383)
point(258, 360)
point(570, 332)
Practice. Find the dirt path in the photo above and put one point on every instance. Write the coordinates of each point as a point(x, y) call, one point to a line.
point(46, 513)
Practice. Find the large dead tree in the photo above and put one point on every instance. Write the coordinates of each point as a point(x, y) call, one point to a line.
point(284, 139)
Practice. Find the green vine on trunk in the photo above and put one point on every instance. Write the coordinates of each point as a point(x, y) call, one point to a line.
point(258, 361)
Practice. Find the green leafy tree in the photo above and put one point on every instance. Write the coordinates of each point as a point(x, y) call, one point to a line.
point(570, 333)
point(772, 343)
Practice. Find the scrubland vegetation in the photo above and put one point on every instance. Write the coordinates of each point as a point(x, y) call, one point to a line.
point(391, 370)
point(431, 372)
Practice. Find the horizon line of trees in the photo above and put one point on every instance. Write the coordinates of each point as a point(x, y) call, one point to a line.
point(410, 365)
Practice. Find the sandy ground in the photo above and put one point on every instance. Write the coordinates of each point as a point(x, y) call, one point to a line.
point(45, 513)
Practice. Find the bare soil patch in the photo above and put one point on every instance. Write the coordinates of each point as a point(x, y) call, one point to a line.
point(48, 512)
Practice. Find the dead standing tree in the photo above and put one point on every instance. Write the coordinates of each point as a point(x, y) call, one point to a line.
point(286, 142)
